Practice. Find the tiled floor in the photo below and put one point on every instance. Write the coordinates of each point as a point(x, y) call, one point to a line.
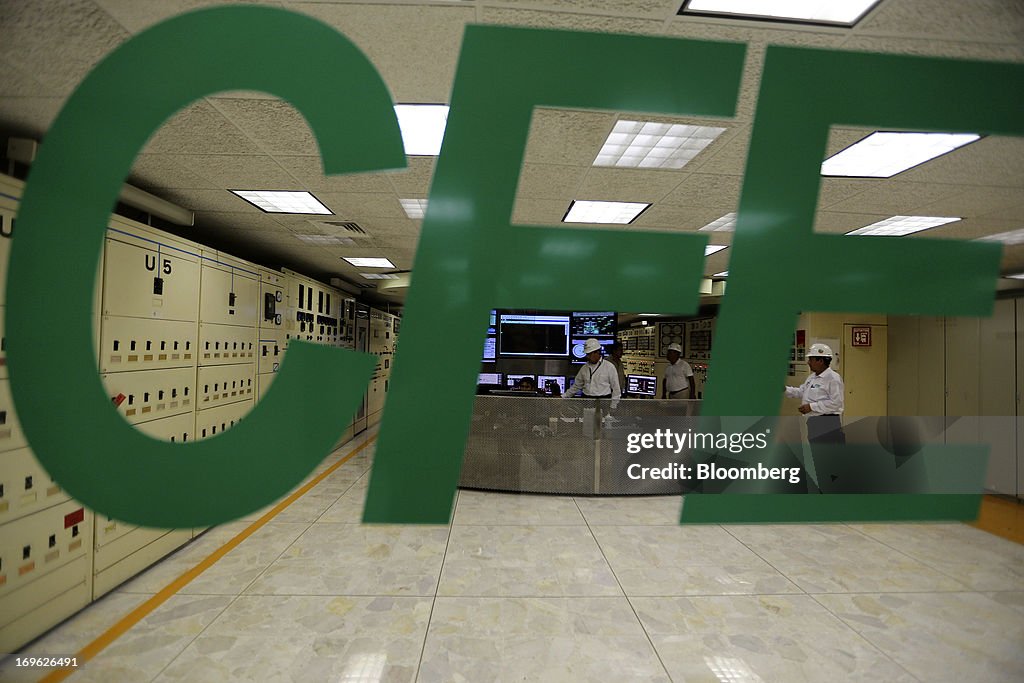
point(533, 588)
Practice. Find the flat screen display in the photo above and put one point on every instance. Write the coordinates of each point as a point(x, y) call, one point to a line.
point(577, 348)
point(512, 380)
point(533, 335)
point(490, 347)
point(593, 324)
point(489, 378)
point(543, 380)
point(642, 385)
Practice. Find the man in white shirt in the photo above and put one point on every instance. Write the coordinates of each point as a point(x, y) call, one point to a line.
point(678, 379)
point(822, 398)
point(597, 378)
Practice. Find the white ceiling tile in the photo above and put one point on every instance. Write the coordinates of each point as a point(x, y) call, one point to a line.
point(58, 41)
point(566, 137)
point(844, 222)
point(994, 160)
point(667, 217)
point(987, 20)
point(896, 198)
point(650, 9)
point(930, 47)
point(414, 181)
point(414, 47)
point(274, 125)
point(704, 189)
point(18, 82)
point(309, 172)
point(29, 116)
point(199, 129)
point(357, 206)
point(240, 172)
point(153, 172)
point(836, 190)
point(548, 181)
point(136, 16)
point(566, 20)
point(539, 212)
point(628, 185)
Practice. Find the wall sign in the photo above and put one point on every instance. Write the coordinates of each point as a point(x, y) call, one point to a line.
point(861, 336)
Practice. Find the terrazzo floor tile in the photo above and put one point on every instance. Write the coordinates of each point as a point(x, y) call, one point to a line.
point(70, 637)
point(308, 638)
point(231, 573)
point(1012, 599)
point(759, 638)
point(939, 636)
point(686, 560)
point(348, 509)
point(537, 639)
point(644, 510)
point(525, 561)
point(833, 558)
point(351, 559)
point(479, 508)
point(975, 558)
point(143, 651)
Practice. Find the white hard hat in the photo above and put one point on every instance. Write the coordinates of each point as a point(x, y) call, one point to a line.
point(591, 345)
point(820, 351)
point(674, 347)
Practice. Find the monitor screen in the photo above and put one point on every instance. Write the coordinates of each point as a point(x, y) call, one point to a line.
point(533, 335)
point(577, 348)
point(642, 385)
point(489, 378)
point(512, 380)
point(593, 324)
point(490, 347)
point(543, 380)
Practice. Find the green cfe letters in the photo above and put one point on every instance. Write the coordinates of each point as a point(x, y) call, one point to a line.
point(503, 74)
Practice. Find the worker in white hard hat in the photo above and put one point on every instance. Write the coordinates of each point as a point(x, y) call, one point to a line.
point(597, 378)
point(678, 379)
point(822, 398)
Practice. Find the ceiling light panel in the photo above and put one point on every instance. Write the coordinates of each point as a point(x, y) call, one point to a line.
point(841, 12)
point(581, 211)
point(638, 144)
point(369, 262)
point(275, 201)
point(903, 225)
point(414, 208)
point(1012, 237)
point(714, 249)
point(422, 127)
point(724, 273)
point(726, 223)
point(883, 154)
point(379, 276)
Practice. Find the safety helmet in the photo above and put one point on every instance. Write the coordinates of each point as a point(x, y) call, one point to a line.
point(820, 351)
point(591, 345)
point(675, 347)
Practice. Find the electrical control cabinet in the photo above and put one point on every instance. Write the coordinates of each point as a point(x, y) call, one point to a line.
point(45, 571)
point(263, 382)
point(143, 396)
point(224, 344)
point(229, 292)
point(271, 351)
point(145, 278)
point(219, 419)
point(222, 384)
point(11, 436)
point(128, 344)
point(25, 487)
point(272, 301)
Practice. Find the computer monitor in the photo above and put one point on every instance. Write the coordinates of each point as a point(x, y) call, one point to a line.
point(593, 323)
point(489, 378)
point(512, 380)
point(521, 335)
point(642, 385)
point(576, 351)
point(543, 380)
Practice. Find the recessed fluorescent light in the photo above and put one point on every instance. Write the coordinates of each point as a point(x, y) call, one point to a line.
point(714, 249)
point(360, 262)
point(724, 273)
point(414, 208)
point(1012, 237)
point(581, 211)
point(1016, 276)
point(274, 201)
point(902, 225)
point(638, 144)
point(379, 276)
point(726, 223)
point(883, 155)
point(326, 239)
point(843, 12)
point(422, 127)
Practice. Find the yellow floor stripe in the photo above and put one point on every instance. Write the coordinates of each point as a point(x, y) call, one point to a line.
point(140, 612)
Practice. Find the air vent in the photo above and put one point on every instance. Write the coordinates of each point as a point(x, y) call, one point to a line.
point(346, 225)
